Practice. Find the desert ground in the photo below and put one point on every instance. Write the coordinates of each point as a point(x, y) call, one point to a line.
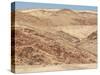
point(54, 39)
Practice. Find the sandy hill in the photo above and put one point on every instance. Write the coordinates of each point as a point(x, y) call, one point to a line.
point(89, 43)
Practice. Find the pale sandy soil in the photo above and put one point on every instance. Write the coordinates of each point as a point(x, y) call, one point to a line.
point(27, 68)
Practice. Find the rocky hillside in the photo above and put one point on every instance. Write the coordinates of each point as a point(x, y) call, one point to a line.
point(52, 37)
